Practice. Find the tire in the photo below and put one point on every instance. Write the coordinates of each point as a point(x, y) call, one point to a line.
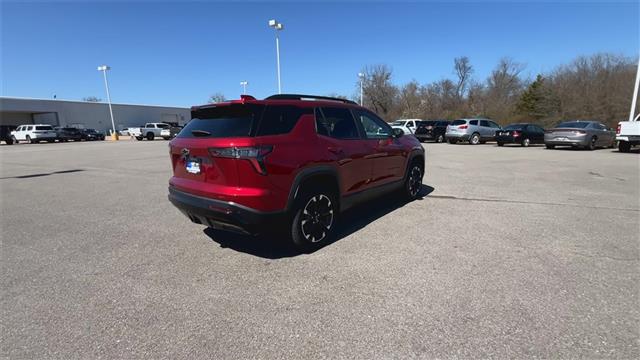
point(30, 140)
point(150, 136)
point(525, 142)
point(166, 138)
point(592, 144)
point(139, 138)
point(474, 139)
point(14, 140)
point(440, 139)
point(314, 220)
point(500, 144)
point(624, 146)
point(452, 141)
point(50, 140)
point(551, 147)
point(413, 181)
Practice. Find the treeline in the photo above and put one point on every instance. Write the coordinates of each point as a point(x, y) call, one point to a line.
point(594, 87)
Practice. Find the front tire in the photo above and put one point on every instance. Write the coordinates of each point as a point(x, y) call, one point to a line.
point(413, 181)
point(550, 147)
point(525, 142)
point(440, 139)
point(150, 136)
point(14, 140)
point(139, 138)
point(30, 140)
point(314, 221)
point(452, 141)
point(500, 144)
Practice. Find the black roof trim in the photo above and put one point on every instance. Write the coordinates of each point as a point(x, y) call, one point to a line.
point(311, 97)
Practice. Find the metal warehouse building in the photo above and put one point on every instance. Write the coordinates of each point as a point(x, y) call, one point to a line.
point(91, 115)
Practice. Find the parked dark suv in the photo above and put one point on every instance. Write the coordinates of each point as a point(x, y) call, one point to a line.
point(432, 130)
point(5, 133)
point(298, 160)
point(69, 133)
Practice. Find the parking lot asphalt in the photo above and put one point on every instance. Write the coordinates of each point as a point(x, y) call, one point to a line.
point(513, 253)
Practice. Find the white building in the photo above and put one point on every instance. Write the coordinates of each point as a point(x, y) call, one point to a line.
point(91, 115)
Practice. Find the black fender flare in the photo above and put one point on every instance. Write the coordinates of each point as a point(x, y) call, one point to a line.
point(306, 174)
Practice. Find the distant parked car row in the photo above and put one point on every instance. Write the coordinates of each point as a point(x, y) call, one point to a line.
point(576, 133)
point(151, 131)
point(35, 133)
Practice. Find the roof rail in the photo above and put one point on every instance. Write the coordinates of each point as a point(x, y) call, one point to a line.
point(309, 97)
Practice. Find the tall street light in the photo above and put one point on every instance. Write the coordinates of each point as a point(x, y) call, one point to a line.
point(361, 76)
point(635, 95)
point(277, 27)
point(244, 86)
point(104, 68)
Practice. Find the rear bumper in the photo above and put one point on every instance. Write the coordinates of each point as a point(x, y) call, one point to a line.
point(426, 136)
point(507, 139)
point(224, 215)
point(458, 136)
point(633, 139)
point(584, 141)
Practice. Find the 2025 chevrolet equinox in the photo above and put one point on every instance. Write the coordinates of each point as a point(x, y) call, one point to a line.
point(295, 160)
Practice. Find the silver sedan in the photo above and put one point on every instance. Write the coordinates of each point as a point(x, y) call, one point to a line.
point(584, 134)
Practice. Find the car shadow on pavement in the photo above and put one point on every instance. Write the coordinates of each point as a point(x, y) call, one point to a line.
point(276, 246)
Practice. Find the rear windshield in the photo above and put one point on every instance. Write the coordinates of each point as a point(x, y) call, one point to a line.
point(573, 124)
point(515, 127)
point(459, 122)
point(44, 128)
point(428, 123)
point(223, 121)
point(398, 123)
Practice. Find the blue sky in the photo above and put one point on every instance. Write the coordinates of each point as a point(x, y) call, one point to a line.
point(176, 53)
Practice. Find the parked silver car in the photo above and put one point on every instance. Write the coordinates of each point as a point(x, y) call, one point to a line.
point(475, 131)
point(577, 133)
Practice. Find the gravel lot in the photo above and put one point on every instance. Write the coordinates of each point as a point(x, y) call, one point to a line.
point(514, 253)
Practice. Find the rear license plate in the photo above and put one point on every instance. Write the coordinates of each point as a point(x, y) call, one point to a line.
point(193, 166)
point(561, 138)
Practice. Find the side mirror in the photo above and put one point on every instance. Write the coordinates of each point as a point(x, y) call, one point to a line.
point(397, 132)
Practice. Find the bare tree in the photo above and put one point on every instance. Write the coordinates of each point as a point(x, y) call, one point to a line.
point(464, 71)
point(216, 98)
point(379, 92)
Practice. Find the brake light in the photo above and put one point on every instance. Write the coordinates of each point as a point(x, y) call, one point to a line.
point(463, 126)
point(515, 133)
point(618, 129)
point(255, 155)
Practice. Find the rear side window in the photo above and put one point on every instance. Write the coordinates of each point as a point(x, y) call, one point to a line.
point(280, 119)
point(44, 128)
point(336, 123)
point(484, 123)
point(473, 122)
point(237, 120)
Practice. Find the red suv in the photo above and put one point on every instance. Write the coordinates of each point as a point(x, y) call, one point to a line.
point(246, 165)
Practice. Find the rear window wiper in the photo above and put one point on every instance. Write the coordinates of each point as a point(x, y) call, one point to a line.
point(200, 133)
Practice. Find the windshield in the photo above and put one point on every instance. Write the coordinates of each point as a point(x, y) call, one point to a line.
point(459, 122)
point(427, 123)
point(515, 127)
point(573, 124)
point(398, 123)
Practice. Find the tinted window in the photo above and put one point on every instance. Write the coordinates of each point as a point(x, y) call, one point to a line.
point(163, 126)
point(236, 120)
point(374, 127)
point(573, 124)
point(44, 128)
point(442, 123)
point(484, 123)
point(514, 127)
point(428, 123)
point(460, 122)
point(494, 125)
point(337, 123)
point(279, 119)
point(473, 122)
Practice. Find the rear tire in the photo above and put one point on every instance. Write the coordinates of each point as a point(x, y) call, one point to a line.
point(440, 139)
point(166, 138)
point(500, 144)
point(30, 140)
point(150, 136)
point(624, 146)
point(474, 139)
point(452, 141)
point(592, 144)
point(525, 142)
point(551, 147)
point(139, 138)
point(314, 220)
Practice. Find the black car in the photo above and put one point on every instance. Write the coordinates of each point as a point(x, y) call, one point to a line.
point(432, 130)
point(92, 134)
point(5, 133)
point(523, 134)
point(68, 133)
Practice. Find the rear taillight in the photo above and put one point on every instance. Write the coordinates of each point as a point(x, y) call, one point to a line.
point(579, 132)
point(463, 126)
point(255, 155)
point(515, 133)
point(618, 129)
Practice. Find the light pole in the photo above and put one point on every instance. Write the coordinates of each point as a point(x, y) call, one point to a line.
point(277, 27)
point(104, 68)
point(361, 76)
point(635, 94)
point(244, 86)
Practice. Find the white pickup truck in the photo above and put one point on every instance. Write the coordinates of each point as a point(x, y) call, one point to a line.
point(149, 131)
point(628, 135)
